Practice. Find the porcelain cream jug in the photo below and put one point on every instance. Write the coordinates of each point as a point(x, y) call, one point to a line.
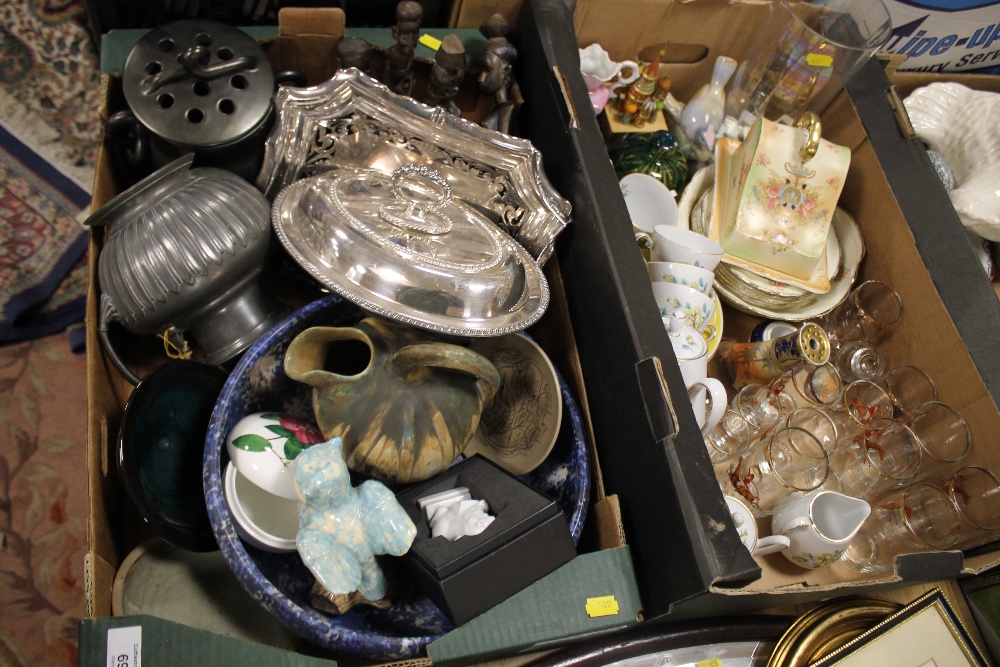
point(405, 403)
point(819, 526)
point(691, 351)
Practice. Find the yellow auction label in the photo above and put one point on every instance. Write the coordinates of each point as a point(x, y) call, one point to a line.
point(603, 606)
point(711, 662)
point(432, 43)
point(819, 60)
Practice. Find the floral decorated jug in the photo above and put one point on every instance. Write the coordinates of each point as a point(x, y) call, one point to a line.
point(404, 403)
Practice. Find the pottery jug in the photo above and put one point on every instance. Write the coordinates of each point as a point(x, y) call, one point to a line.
point(819, 526)
point(404, 403)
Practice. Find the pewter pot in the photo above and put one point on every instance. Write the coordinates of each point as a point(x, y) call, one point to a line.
point(198, 86)
point(184, 250)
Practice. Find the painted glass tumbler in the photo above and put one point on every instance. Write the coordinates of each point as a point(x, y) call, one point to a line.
point(184, 249)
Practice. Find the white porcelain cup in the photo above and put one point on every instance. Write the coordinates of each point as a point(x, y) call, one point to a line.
point(674, 244)
point(819, 526)
point(682, 274)
point(649, 202)
point(698, 307)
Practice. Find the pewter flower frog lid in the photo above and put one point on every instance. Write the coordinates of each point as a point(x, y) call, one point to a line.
point(352, 120)
point(404, 247)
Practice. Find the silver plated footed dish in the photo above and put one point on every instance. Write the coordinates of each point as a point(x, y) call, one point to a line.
point(352, 120)
point(403, 246)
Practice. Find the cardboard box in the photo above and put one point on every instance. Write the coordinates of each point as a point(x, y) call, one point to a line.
point(549, 613)
point(937, 36)
point(688, 557)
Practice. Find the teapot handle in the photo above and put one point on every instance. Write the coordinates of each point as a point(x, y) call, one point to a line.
point(126, 130)
point(418, 356)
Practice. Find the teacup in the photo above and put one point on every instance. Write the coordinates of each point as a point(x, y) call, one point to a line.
point(698, 307)
point(819, 526)
point(682, 274)
point(649, 202)
point(674, 244)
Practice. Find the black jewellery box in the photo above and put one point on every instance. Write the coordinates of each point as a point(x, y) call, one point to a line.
point(528, 539)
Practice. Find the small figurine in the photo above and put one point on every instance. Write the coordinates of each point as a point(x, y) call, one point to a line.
point(496, 64)
point(343, 528)
point(398, 73)
point(447, 75)
point(702, 118)
point(355, 52)
point(638, 105)
point(453, 514)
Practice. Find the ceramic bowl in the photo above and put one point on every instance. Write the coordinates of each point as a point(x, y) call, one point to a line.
point(649, 202)
point(265, 520)
point(159, 450)
point(698, 308)
point(518, 428)
point(682, 274)
point(673, 244)
point(279, 582)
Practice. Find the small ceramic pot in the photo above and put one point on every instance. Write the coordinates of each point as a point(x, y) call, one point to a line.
point(746, 526)
point(263, 445)
point(266, 521)
point(819, 525)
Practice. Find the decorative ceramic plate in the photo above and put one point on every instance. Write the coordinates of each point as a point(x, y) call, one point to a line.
point(404, 247)
point(716, 322)
point(700, 181)
point(519, 426)
point(352, 120)
point(853, 248)
point(280, 583)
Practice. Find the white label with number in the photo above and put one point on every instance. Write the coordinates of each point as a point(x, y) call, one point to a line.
point(125, 647)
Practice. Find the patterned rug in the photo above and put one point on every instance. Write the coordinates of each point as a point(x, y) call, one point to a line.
point(49, 130)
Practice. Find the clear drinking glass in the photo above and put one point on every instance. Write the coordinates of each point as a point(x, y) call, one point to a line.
point(885, 456)
point(909, 388)
point(862, 401)
point(869, 313)
point(819, 423)
point(791, 460)
point(976, 493)
point(920, 517)
point(807, 385)
point(730, 438)
point(943, 435)
point(859, 360)
point(803, 55)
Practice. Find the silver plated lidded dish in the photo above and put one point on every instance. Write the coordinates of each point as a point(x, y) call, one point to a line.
point(352, 120)
point(403, 246)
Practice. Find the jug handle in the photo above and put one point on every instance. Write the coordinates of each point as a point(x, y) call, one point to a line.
point(107, 315)
point(453, 357)
point(793, 524)
point(126, 131)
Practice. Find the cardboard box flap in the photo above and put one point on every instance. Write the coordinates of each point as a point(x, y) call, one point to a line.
point(970, 300)
point(593, 593)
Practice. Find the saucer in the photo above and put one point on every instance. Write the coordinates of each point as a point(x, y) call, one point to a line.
point(519, 426)
point(811, 305)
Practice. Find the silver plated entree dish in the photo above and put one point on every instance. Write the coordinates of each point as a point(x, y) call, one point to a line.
point(403, 246)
